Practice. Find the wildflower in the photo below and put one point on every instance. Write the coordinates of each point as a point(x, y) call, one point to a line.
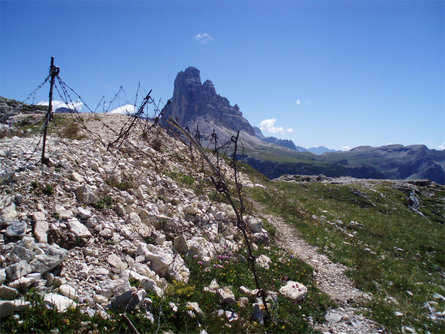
point(200, 263)
point(283, 327)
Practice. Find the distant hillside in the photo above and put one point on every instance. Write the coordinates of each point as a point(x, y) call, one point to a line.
point(320, 150)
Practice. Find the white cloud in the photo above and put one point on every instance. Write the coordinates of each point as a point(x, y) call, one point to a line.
point(59, 104)
point(345, 148)
point(269, 126)
point(298, 102)
point(441, 147)
point(203, 38)
point(125, 109)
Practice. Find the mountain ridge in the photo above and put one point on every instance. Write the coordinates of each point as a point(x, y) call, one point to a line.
point(197, 106)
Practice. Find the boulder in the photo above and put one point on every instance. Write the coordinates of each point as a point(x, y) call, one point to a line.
point(78, 229)
point(226, 295)
point(180, 244)
point(16, 229)
point(86, 194)
point(116, 262)
point(40, 226)
point(61, 303)
point(7, 292)
point(8, 214)
point(255, 224)
point(294, 290)
point(263, 261)
point(8, 307)
point(18, 270)
point(67, 291)
point(83, 214)
point(194, 309)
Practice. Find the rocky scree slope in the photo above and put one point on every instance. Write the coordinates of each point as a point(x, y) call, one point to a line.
point(100, 228)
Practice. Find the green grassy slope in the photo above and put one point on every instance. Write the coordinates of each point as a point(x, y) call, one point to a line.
point(393, 252)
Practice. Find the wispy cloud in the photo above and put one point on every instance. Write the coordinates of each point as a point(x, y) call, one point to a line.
point(203, 38)
point(269, 126)
point(59, 104)
point(125, 109)
point(345, 148)
point(441, 147)
point(298, 102)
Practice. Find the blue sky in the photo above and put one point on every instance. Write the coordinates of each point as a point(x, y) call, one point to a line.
point(332, 73)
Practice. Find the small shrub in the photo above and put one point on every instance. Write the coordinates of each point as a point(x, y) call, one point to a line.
point(105, 202)
point(156, 144)
point(48, 190)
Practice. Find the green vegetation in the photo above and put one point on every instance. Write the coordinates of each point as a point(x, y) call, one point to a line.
point(184, 179)
point(48, 190)
point(63, 125)
point(393, 252)
point(105, 202)
point(289, 316)
point(121, 185)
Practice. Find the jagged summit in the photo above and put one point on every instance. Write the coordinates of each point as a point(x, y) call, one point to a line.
point(195, 103)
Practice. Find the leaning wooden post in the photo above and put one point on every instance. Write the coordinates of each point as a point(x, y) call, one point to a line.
point(53, 71)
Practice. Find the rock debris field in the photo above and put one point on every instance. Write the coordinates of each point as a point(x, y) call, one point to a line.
point(82, 229)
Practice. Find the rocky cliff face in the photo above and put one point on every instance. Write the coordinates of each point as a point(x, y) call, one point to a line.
point(197, 104)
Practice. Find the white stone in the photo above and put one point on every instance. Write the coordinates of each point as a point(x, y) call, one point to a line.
point(78, 228)
point(213, 287)
point(255, 225)
point(83, 214)
point(190, 210)
point(61, 303)
point(263, 261)
point(23, 282)
point(40, 226)
point(18, 270)
point(86, 194)
point(7, 292)
point(67, 291)
point(294, 290)
point(77, 177)
point(134, 218)
point(180, 244)
point(16, 228)
point(2, 275)
point(194, 307)
point(100, 299)
point(226, 295)
point(116, 262)
point(8, 214)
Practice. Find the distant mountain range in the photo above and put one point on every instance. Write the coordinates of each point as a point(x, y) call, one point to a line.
point(197, 106)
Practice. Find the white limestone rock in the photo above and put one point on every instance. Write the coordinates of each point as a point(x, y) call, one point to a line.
point(294, 290)
point(226, 295)
point(255, 224)
point(78, 228)
point(180, 244)
point(61, 303)
point(116, 262)
point(67, 291)
point(41, 226)
point(18, 270)
point(194, 309)
point(263, 261)
point(8, 214)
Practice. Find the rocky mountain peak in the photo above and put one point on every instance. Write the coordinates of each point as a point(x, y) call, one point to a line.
point(195, 103)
